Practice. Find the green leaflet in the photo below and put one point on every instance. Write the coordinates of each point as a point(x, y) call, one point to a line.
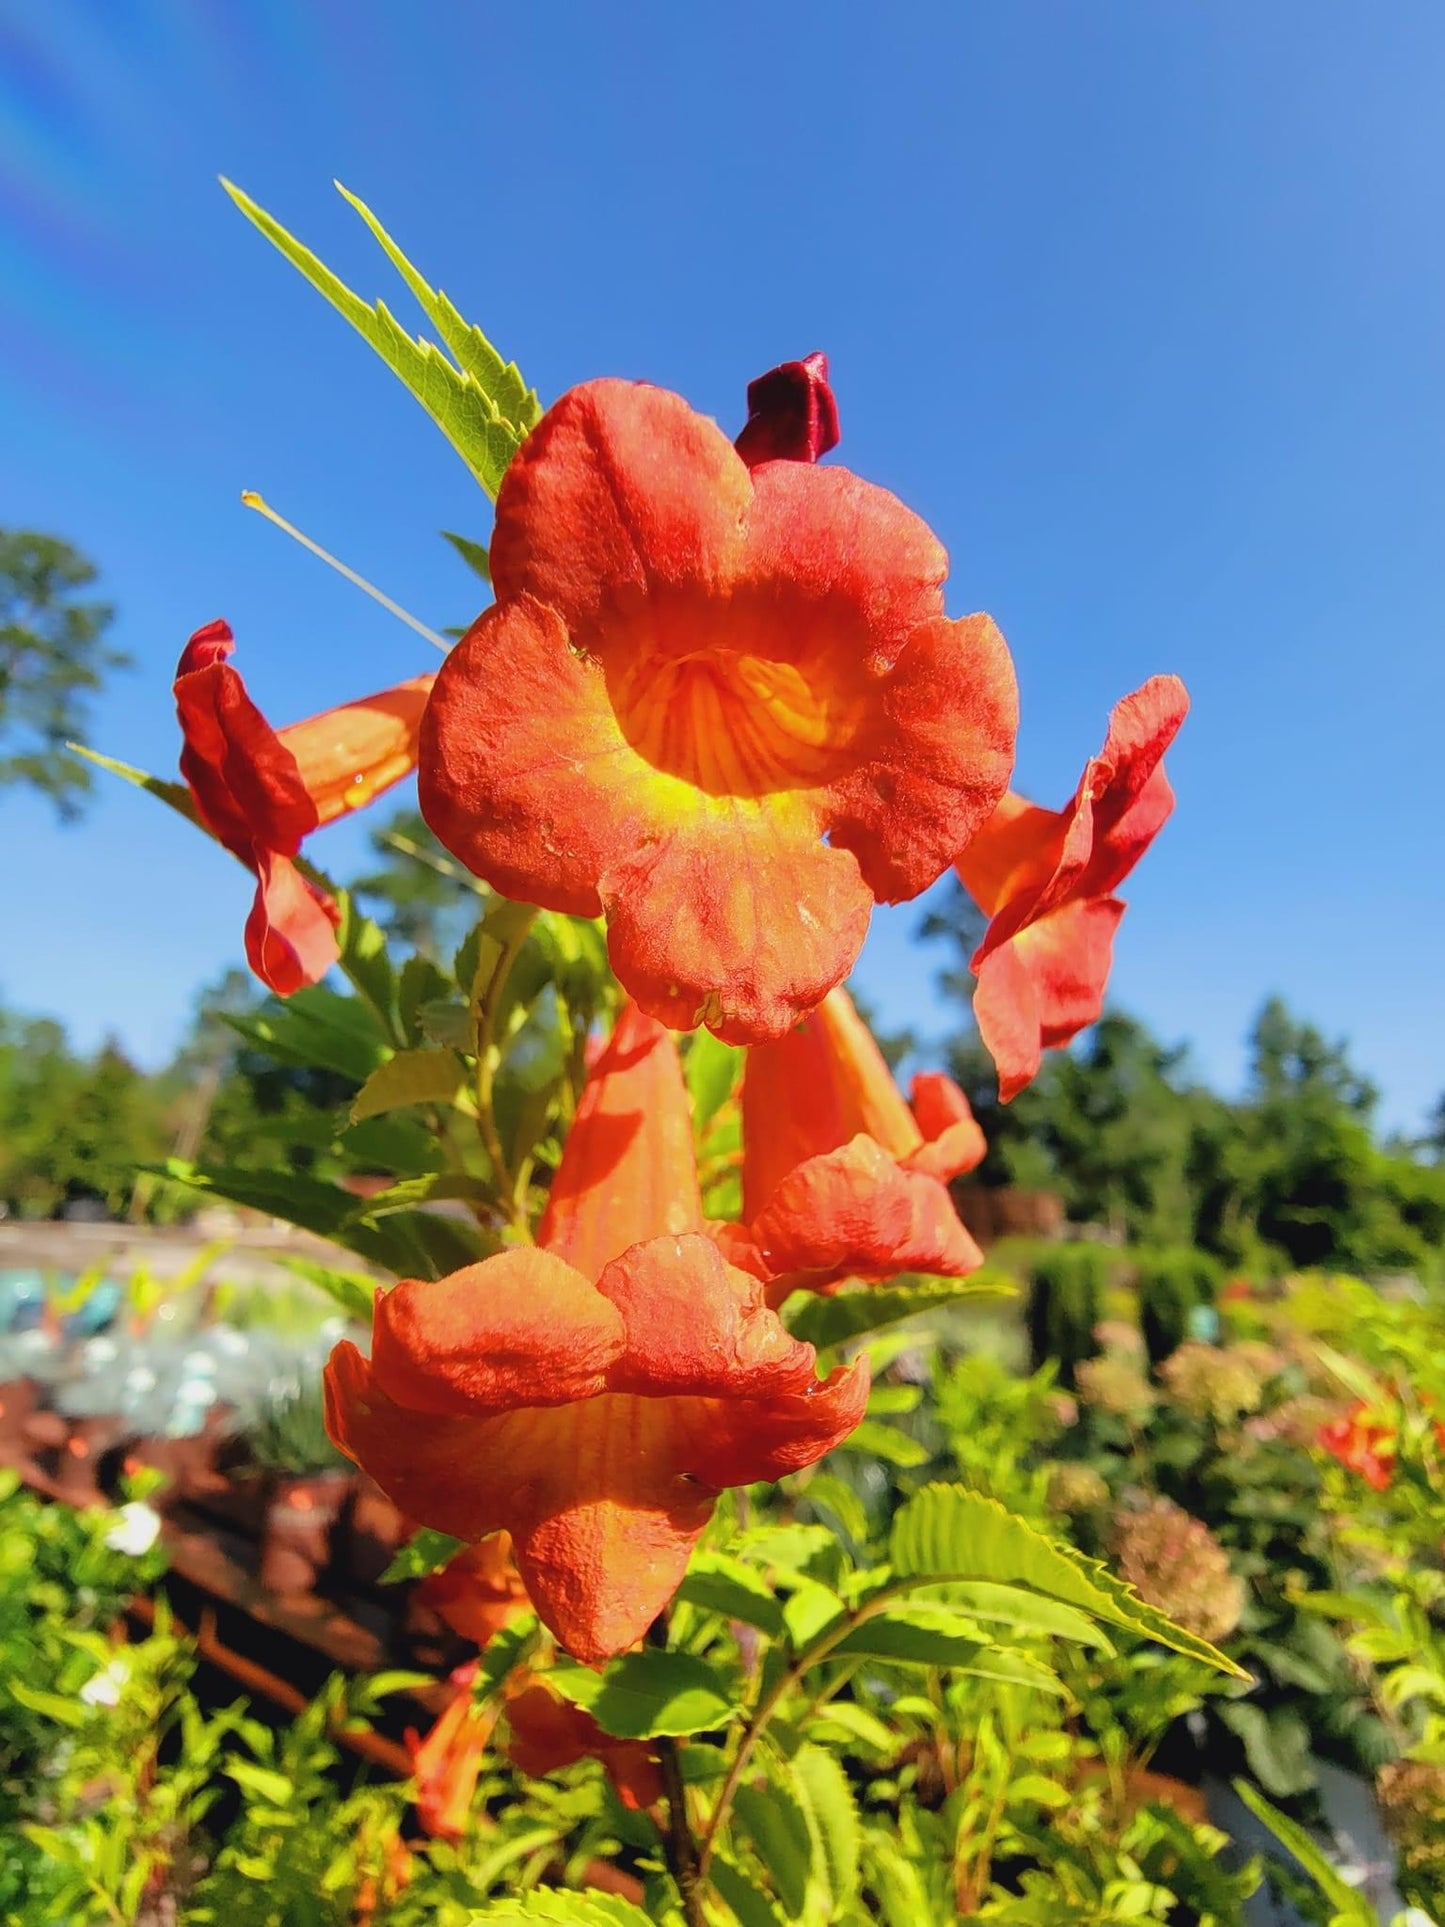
point(947, 1532)
point(924, 1635)
point(411, 1077)
point(567, 1909)
point(850, 1314)
point(649, 1693)
point(426, 1551)
point(474, 554)
point(480, 403)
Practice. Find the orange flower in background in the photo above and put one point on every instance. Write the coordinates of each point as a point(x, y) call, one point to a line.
point(447, 1763)
point(1046, 880)
point(721, 705)
point(841, 1179)
point(549, 1733)
point(592, 1397)
point(1361, 1444)
point(478, 1590)
point(260, 791)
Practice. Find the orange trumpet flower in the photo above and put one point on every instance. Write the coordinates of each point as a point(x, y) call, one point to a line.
point(592, 1397)
point(448, 1762)
point(1046, 880)
point(841, 1178)
point(720, 704)
point(260, 791)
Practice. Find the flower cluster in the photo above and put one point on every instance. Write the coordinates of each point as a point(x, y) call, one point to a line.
point(718, 702)
point(1176, 1564)
point(1116, 1386)
point(1218, 1382)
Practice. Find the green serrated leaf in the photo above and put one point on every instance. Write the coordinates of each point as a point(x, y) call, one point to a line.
point(505, 1651)
point(947, 1532)
point(718, 1583)
point(410, 1077)
point(422, 982)
point(176, 795)
point(775, 1825)
point(353, 1291)
point(426, 1189)
point(1025, 1612)
point(827, 1799)
point(470, 402)
point(474, 554)
point(473, 353)
point(879, 1441)
point(651, 1693)
point(426, 1551)
point(866, 1308)
point(921, 1635)
point(742, 1893)
point(565, 1909)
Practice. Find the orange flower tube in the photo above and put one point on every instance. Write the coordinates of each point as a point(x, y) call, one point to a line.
point(448, 1762)
point(719, 704)
point(1046, 880)
point(594, 1414)
point(841, 1179)
point(478, 1591)
point(260, 791)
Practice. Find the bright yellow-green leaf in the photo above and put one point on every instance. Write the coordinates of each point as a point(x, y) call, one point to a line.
point(411, 1077)
point(947, 1532)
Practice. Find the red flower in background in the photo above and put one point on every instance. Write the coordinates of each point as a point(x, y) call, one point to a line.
point(447, 1763)
point(841, 1179)
point(1361, 1444)
point(593, 1396)
point(260, 791)
point(720, 704)
point(1046, 880)
point(549, 1733)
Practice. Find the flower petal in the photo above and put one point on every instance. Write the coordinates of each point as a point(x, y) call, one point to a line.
point(524, 772)
point(247, 786)
point(549, 1733)
point(348, 755)
point(812, 1090)
point(741, 919)
point(953, 1141)
point(628, 1170)
point(1043, 986)
point(855, 1213)
point(935, 760)
point(291, 931)
point(619, 496)
point(792, 414)
point(522, 1328)
point(696, 1326)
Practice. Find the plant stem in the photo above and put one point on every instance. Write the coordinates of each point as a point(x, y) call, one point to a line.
point(485, 1005)
point(682, 1852)
point(682, 1849)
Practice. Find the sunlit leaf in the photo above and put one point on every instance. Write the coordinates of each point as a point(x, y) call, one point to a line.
point(947, 1532)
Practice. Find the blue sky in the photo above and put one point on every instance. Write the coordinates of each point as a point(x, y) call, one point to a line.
point(1141, 305)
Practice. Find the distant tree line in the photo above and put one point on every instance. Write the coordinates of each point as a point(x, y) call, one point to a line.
point(1291, 1173)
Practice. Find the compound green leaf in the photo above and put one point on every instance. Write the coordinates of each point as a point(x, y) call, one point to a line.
point(946, 1532)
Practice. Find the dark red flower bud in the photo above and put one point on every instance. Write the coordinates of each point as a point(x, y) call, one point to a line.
point(792, 415)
